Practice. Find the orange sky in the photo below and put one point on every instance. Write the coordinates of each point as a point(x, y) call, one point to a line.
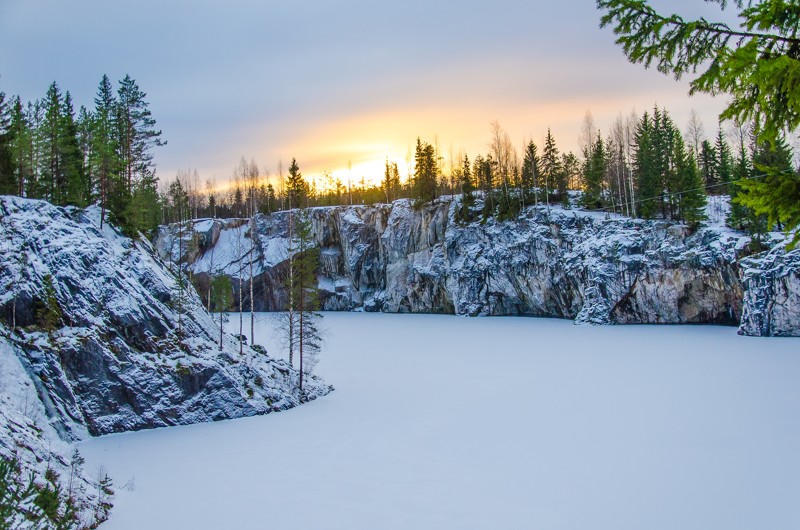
point(330, 83)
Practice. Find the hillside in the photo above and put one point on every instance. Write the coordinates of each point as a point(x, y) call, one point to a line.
point(96, 337)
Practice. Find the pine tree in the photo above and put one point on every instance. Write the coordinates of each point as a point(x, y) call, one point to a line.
point(136, 136)
point(301, 284)
point(104, 161)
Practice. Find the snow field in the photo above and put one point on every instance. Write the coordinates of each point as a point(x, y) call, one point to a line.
point(441, 422)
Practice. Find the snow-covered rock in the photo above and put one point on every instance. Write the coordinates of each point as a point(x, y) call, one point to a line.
point(29, 435)
point(129, 351)
point(554, 262)
point(772, 294)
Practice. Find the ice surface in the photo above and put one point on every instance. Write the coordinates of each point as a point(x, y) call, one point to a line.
point(442, 422)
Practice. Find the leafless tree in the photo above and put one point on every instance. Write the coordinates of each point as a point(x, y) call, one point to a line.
point(695, 133)
point(587, 134)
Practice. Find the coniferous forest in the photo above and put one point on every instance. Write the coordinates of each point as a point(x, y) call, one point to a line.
point(643, 166)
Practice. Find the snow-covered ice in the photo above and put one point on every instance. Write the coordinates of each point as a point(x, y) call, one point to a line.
point(442, 422)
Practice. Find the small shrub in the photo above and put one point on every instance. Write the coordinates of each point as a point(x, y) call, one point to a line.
point(182, 370)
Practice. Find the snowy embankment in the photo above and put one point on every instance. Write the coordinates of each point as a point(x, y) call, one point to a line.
point(550, 261)
point(491, 423)
point(103, 339)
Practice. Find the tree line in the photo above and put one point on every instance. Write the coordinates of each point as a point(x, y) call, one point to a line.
point(644, 166)
point(102, 155)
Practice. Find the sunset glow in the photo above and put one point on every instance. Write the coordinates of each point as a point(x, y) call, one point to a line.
point(359, 87)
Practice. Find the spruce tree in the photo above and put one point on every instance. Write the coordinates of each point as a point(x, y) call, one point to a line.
point(742, 217)
point(53, 180)
point(84, 125)
point(22, 150)
point(7, 180)
point(425, 172)
point(296, 187)
point(72, 157)
point(531, 171)
point(467, 197)
point(689, 195)
point(724, 168)
point(552, 174)
point(48, 311)
point(594, 175)
point(756, 64)
point(647, 185)
point(773, 187)
point(708, 166)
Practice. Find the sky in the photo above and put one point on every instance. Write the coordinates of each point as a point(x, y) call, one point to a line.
point(340, 85)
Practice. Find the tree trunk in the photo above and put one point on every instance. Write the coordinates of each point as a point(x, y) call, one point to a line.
point(252, 302)
point(220, 329)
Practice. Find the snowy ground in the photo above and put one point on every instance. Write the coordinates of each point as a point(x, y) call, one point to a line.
point(445, 422)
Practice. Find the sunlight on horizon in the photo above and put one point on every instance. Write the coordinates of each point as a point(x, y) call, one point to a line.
point(356, 147)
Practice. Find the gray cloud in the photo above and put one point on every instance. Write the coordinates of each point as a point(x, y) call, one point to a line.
point(262, 78)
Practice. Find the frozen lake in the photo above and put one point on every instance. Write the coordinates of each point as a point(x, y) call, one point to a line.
point(442, 422)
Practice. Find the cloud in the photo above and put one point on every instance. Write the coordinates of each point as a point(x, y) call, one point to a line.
point(329, 82)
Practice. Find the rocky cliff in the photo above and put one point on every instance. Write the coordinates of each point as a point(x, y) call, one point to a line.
point(548, 262)
point(772, 294)
point(107, 339)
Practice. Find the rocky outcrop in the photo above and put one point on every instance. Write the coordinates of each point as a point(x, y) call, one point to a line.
point(28, 437)
point(772, 294)
point(109, 339)
point(129, 348)
point(548, 262)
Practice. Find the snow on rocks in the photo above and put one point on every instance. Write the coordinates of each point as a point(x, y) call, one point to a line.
point(552, 262)
point(772, 294)
point(127, 350)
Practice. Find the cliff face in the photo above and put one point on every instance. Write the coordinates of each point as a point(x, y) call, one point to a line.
point(772, 294)
point(110, 340)
point(557, 263)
